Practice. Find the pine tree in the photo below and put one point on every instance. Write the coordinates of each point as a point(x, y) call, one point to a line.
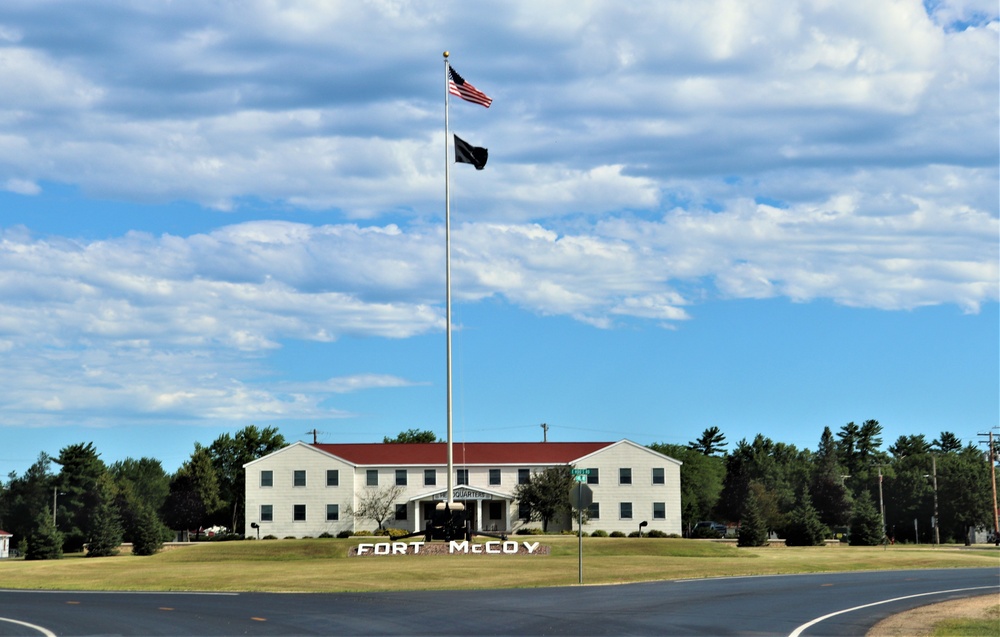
point(147, 536)
point(804, 526)
point(866, 522)
point(45, 541)
point(77, 484)
point(105, 526)
point(753, 529)
point(829, 495)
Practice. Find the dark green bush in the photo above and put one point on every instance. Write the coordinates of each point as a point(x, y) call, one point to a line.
point(617, 534)
point(599, 533)
point(324, 535)
point(656, 533)
point(344, 534)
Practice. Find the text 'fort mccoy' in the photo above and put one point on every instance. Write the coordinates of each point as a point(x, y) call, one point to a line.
point(462, 547)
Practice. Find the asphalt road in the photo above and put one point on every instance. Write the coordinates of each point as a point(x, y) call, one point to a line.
point(771, 605)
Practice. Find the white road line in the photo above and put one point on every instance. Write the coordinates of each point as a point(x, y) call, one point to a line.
point(798, 631)
point(44, 631)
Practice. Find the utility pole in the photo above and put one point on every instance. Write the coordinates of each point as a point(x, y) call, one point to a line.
point(545, 432)
point(992, 459)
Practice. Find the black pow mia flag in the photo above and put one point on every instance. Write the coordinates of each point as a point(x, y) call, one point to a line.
point(466, 153)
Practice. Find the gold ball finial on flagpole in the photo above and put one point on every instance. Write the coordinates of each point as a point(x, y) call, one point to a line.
point(446, 54)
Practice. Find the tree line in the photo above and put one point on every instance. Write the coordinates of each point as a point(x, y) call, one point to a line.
point(84, 501)
point(761, 485)
point(807, 496)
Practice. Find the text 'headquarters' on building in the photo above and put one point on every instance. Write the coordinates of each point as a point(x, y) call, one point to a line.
point(304, 490)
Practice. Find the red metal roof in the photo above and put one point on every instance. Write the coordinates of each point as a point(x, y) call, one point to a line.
point(468, 453)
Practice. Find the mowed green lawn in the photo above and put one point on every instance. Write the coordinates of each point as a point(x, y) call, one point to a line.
point(324, 566)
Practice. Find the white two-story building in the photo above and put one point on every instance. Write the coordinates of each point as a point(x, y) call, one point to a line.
point(304, 490)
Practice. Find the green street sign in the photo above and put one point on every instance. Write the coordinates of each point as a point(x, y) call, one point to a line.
point(580, 478)
point(581, 472)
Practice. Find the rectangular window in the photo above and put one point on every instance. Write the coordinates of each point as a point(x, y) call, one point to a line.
point(625, 475)
point(300, 478)
point(430, 477)
point(594, 511)
point(372, 479)
point(332, 512)
point(658, 475)
point(267, 478)
point(523, 511)
point(333, 477)
point(400, 511)
point(523, 476)
point(494, 477)
point(299, 512)
point(625, 510)
point(496, 510)
point(462, 476)
point(594, 477)
point(659, 511)
point(400, 477)
point(266, 513)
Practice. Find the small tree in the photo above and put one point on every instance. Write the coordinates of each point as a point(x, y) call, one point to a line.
point(804, 526)
point(105, 526)
point(45, 541)
point(866, 523)
point(546, 494)
point(147, 537)
point(753, 529)
point(376, 504)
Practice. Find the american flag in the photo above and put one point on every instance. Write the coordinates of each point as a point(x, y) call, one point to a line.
point(460, 88)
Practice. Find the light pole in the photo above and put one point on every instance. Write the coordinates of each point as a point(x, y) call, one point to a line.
point(881, 502)
point(55, 497)
point(933, 476)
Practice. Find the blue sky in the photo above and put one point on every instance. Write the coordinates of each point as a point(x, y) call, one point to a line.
point(769, 217)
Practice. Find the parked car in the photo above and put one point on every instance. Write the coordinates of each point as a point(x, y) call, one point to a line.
point(709, 529)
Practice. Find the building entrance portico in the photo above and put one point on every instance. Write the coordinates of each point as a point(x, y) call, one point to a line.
point(485, 509)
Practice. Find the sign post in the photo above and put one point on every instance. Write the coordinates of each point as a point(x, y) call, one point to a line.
point(581, 497)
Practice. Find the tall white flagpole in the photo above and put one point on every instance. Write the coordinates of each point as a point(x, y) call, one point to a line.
point(447, 282)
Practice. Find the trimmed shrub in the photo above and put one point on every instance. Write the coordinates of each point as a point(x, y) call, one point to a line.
point(656, 533)
point(344, 534)
point(599, 533)
point(529, 530)
point(325, 536)
point(617, 534)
